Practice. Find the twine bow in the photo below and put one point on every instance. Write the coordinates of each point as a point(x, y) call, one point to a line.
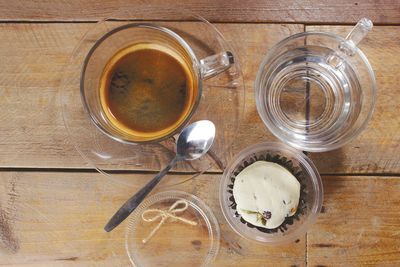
point(164, 215)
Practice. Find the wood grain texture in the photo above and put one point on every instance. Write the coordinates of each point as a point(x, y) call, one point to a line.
point(326, 11)
point(360, 223)
point(33, 58)
point(57, 219)
point(377, 149)
point(32, 132)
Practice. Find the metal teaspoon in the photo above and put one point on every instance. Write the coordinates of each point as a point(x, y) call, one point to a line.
point(193, 142)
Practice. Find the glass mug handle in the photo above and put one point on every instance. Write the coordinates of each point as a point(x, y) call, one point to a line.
point(349, 45)
point(215, 64)
point(354, 37)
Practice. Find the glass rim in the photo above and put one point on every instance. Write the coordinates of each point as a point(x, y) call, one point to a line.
point(174, 36)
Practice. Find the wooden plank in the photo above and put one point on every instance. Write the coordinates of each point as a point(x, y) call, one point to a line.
point(57, 219)
point(359, 225)
point(341, 11)
point(31, 71)
point(377, 149)
point(32, 133)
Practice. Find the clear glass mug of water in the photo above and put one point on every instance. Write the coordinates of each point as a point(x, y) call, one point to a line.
point(316, 91)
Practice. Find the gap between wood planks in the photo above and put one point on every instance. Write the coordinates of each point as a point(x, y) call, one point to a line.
point(80, 170)
point(315, 23)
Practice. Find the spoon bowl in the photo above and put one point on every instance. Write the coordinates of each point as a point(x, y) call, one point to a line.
point(195, 140)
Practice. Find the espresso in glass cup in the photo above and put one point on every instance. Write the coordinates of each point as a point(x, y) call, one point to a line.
point(142, 82)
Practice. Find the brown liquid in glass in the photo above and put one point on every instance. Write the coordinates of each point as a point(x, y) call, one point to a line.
point(146, 90)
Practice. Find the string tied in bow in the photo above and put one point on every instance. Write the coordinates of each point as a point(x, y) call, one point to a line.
point(164, 215)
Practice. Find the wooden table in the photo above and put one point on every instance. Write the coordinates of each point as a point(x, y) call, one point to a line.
point(53, 206)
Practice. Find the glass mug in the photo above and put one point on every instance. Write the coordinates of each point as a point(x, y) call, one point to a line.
point(316, 91)
point(133, 36)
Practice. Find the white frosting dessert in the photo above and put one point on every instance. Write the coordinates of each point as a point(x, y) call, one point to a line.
point(265, 194)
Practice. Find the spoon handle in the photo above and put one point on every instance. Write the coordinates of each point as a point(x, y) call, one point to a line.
point(131, 204)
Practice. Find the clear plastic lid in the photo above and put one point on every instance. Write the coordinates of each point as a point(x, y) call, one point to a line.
point(189, 239)
point(311, 195)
